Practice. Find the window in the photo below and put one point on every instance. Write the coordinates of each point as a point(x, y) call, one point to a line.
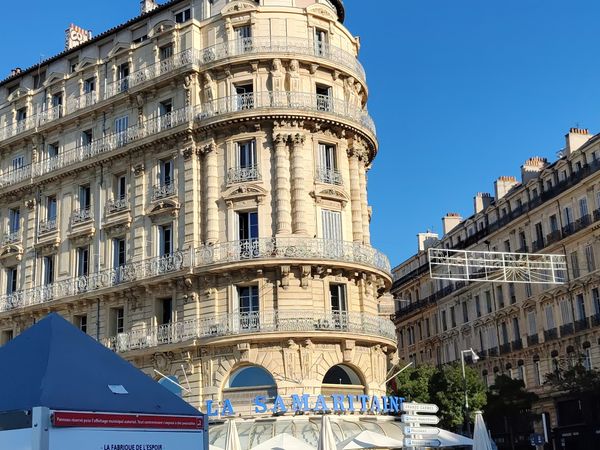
point(81, 322)
point(48, 270)
point(121, 125)
point(504, 329)
point(87, 137)
point(537, 372)
point(488, 300)
point(119, 252)
point(332, 225)
point(337, 297)
point(589, 258)
point(553, 223)
point(52, 150)
point(444, 321)
point(21, 114)
point(83, 261)
point(596, 300)
point(244, 96)
point(38, 79)
point(465, 311)
point(165, 107)
point(73, 64)
point(247, 226)
point(165, 172)
point(11, 280)
point(499, 297)
point(243, 36)
point(539, 234)
point(583, 208)
point(123, 76)
point(327, 170)
point(580, 307)
point(51, 207)
point(587, 358)
point(183, 16)
point(566, 312)
point(166, 51)
point(516, 328)
point(117, 321)
point(511, 293)
point(248, 307)
point(320, 41)
point(85, 197)
point(246, 164)
point(453, 316)
point(324, 97)
point(89, 85)
point(478, 306)
point(165, 311)
point(568, 216)
point(121, 187)
point(165, 239)
point(6, 336)
point(575, 265)
point(522, 241)
point(250, 377)
point(528, 291)
point(550, 318)
point(507, 246)
point(531, 323)
point(14, 220)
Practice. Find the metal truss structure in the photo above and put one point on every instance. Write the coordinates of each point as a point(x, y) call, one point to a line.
point(496, 267)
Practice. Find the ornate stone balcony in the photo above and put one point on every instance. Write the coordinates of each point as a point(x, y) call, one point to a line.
point(291, 248)
point(83, 101)
point(205, 257)
point(81, 216)
point(47, 226)
point(234, 324)
point(243, 174)
point(116, 205)
point(12, 237)
point(160, 191)
point(329, 176)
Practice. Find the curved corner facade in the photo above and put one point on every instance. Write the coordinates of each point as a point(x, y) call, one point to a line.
point(190, 188)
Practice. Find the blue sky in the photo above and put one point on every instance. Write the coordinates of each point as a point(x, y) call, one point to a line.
point(462, 92)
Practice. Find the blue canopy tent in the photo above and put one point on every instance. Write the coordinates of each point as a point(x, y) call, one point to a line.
point(55, 365)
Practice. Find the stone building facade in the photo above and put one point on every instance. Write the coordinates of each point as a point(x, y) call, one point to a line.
point(190, 188)
point(522, 330)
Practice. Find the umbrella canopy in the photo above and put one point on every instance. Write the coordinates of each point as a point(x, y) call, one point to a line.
point(449, 439)
point(326, 437)
point(481, 439)
point(232, 441)
point(369, 439)
point(283, 441)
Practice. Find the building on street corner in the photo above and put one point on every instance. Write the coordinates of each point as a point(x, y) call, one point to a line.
point(525, 331)
point(190, 189)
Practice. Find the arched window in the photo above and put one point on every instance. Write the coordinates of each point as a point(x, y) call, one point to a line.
point(342, 378)
point(250, 377)
point(246, 383)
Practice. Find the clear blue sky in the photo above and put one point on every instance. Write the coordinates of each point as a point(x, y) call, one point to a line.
point(461, 91)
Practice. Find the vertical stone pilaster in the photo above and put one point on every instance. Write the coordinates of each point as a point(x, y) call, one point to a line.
point(355, 198)
point(300, 195)
point(362, 172)
point(282, 185)
point(212, 193)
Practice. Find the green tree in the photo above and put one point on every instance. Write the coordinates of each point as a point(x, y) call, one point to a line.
point(508, 407)
point(445, 387)
point(576, 380)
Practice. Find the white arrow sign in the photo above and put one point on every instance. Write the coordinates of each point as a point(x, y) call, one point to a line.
point(420, 408)
point(429, 420)
point(409, 442)
point(429, 431)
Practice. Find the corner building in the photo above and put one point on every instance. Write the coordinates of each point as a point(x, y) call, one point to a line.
point(190, 188)
point(525, 331)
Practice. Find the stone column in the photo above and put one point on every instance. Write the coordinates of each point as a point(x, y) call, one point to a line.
point(355, 198)
point(362, 172)
point(299, 197)
point(212, 193)
point(282, 185)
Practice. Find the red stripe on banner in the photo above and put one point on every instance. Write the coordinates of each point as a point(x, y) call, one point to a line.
point(97, 420)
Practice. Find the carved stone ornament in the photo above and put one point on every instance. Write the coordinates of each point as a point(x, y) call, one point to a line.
point(332, 194)
point(138, 169)
point(162, 361)
point(322, 10)
point(118, 228)
point(245, 192)
point(238, 6)
point(11, 254)
point(82, 236)
point(162, 208)
point(187, 153)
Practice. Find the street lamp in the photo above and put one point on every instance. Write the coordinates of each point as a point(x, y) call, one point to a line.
point(475, 358)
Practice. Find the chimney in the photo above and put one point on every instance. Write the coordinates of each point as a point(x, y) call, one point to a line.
point(427, 240)
point(532, 168)
point(481, 201)
point(76, 36)
point(450, 221)
point(148, 5)
point(503, 185)
point(576, 138)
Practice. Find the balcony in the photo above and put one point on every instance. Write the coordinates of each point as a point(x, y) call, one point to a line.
point(329, 176)
point(493, 351)
point(595, 320)
point(550, 335)
point(81, 216)
point(533, 339)
point(516, 345)
point(581, 325)
point(243, 174)
point(164, 190)
point(116, 205)
point(567, 330)
point(12, 237)
point(505, 348)
point(47, 226)
point(553, 237)
point(236, 324)
point(83, 101)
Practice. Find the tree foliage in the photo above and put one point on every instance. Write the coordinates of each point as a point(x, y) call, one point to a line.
point(445, 387)
point(576, 380)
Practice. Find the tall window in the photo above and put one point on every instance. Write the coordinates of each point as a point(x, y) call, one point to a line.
point(324, 94)
point(583, 208)
point(589, 258)
point(18, 162)
point(332, 225)
point(246, 163)
point(531, 323)
point(165, 107)
point(243, 36)
point(14, 220)
point(550, 325)
point(488, 301)
point(465, 311)
point(516, 328)
point(166, 51)
point(51, 207)
point(85, 197)
point(121, 187)
point(165, 239)
point(81, 322)
point(165, 311)
point(248, 306)
point(453, 316)
point(499, 297)
point(117, 321)
point(121, 124)
point(580, 307)
point(575, 265)
point(165, 172)
point(478, 306)
point(119, 252)
point(568, 216)
point(11, 280)
point(83, 261)
point(247, 225)
point(244, 96)
point(596, 301)
point(123, 76)
point(57, 100)
point(48, 269)
point(327, 170)
point(566, 312)
point(87, 136)
point(539, 234)
point(21, 114)
point(537, 372)
point(337, 297)
point(320, 41)
point(89, 85)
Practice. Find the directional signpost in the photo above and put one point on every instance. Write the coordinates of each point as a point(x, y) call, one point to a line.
point(418, 414)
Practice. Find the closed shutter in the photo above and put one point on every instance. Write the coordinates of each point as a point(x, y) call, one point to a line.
point(532, 323)
point(550, 318)
point(566, 312)
point(332, 225)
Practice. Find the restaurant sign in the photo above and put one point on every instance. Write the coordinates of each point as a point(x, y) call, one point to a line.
point(305, 403)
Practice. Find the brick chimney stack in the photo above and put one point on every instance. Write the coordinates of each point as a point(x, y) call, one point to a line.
point(576, 138)
point(450, 221)
point(503, 185)
point(481, 201)
point(532, 168)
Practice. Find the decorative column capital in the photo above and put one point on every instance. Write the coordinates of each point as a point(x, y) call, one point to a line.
point(298, 140)
point(280, 138)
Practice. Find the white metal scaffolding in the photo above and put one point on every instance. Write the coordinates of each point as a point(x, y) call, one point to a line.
point(498, 267)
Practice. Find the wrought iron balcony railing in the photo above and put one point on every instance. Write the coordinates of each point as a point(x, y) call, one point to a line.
point(164, 190)
point(82, 215)
point(12, 237)
point(329, 176)
point(243, 174)
point(46, 226)
point(231, 324)
point(533, 339)
point(117, 205)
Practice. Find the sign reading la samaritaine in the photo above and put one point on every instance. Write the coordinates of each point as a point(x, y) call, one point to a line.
point(306, 403)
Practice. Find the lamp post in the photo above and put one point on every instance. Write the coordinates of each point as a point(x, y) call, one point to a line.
point(475, 357)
